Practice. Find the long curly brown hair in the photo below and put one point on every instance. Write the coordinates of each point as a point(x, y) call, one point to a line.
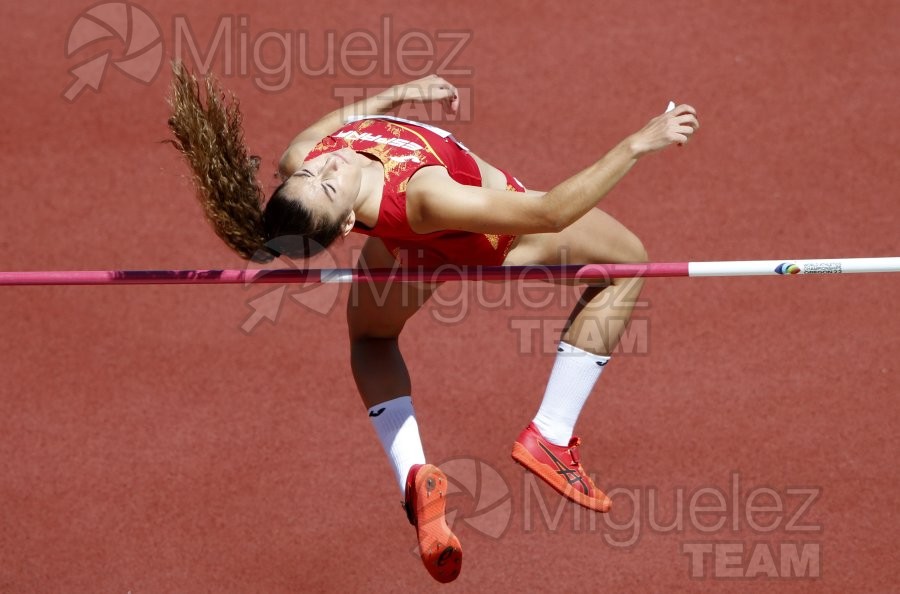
point(211, 138)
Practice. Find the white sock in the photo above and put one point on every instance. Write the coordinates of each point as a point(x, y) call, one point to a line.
point(573, 377)
point(395, 423)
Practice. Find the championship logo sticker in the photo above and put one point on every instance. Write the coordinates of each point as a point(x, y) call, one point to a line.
point(787, 268)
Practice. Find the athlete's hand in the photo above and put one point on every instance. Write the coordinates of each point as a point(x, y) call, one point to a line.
point(430, 88)
point(676, 126)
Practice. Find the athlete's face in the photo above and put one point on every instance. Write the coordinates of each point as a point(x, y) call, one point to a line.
point(328, 184)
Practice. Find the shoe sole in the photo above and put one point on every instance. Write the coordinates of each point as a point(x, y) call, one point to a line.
point(440, 549)
point(523, 457)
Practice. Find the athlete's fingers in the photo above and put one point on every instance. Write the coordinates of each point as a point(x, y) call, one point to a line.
point(429, 88)
point(683, 109)
point(446, 104)
point(436, 82)
point(449, 96)
point(441, 92)
point(688, 119)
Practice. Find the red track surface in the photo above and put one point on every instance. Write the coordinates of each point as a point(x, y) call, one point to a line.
point(147, 444)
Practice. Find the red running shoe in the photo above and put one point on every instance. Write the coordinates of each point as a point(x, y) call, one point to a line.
point(426, 489)
point(560, 467)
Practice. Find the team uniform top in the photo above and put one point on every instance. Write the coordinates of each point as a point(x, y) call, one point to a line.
point(403, 147)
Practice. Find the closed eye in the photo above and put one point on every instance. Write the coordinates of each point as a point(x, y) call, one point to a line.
point(328, 188)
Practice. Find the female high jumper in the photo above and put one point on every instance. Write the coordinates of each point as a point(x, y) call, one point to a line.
point(424, 199)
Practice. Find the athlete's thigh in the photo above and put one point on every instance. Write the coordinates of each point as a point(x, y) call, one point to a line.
point(380, 310)
point(595, 238)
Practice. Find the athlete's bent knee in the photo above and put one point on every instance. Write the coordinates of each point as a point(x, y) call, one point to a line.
point(362, 326)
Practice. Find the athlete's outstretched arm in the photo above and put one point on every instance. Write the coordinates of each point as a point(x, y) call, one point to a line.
point(430, 88)
point(436, 202)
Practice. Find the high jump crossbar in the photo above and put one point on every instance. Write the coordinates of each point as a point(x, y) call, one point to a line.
point(577, 272)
